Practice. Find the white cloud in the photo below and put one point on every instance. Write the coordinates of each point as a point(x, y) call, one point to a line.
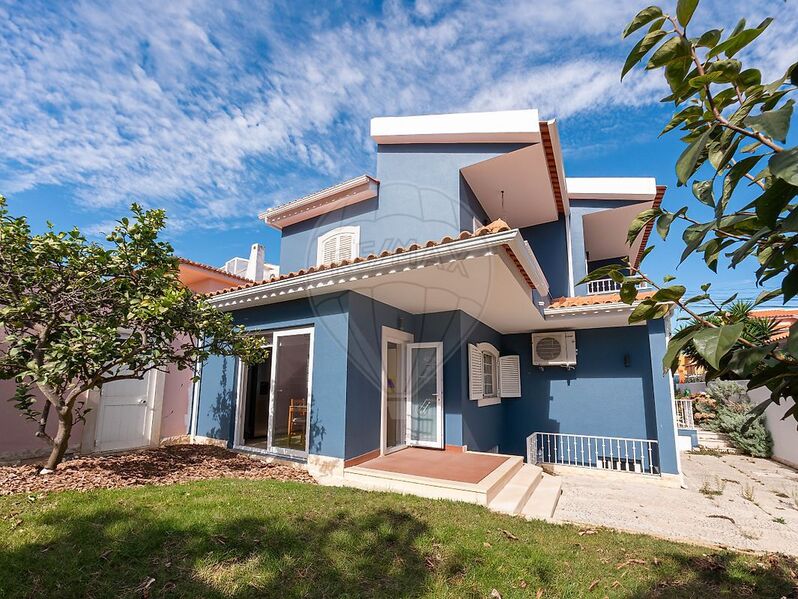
point(215, 112)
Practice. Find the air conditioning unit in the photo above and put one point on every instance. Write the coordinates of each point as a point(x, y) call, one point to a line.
point(555, 348)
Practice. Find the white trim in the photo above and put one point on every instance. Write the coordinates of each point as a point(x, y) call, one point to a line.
point(195, 397)
point(338, 232)
point(570, 252)
point(325, 279)
point(438, 345)
point(611, 188)
point(399, 337)
point(487, 348)
point(466, 127)
point(321, 202)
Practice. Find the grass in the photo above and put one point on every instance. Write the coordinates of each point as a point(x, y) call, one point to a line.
point(712, 487)
point(235, 538)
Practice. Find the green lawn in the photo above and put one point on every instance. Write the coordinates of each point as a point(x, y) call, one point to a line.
point(235, 538)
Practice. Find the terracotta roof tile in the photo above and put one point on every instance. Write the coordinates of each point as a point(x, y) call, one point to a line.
point(593, 300)
point(779, 312)
point(497, 226)
point(211, 268)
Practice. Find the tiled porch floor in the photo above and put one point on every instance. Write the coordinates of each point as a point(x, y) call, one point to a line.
point(434, 463)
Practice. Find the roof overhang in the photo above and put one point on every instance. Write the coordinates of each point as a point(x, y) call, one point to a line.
point(519, 126)
point(524, 187)
point(612, 188)
point(321, 202)
point(606, 232)
point(491, 277)
point(598, 311)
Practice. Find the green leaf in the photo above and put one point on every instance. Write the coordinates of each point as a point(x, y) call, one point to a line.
point(669, 294)
point(675, 345)
point(709, 38)
point(738, 41)
point(640, 49)
point(775, 123)
point(766, 296)
point(774, 199)
point(644, 16)
point(640, 222)
point(733, 176)
point(644, 311)
point(702, 190)
point(789, 284)
point(685, 10)
point(714, 343)
point(687, 163)
point(784, 165)
point(628, 292)
point(675, 47)
point(745, 359)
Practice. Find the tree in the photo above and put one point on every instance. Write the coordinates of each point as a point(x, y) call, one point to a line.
point(76, 315)
point(734, 128)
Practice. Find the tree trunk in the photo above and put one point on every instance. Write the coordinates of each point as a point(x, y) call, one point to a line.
point(61, 440)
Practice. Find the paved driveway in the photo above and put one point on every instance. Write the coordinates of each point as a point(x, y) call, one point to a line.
point(746, 503)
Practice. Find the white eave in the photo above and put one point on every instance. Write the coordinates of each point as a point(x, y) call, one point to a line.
point(520, 126)
point(611, 188)
point(321, 202)
point(392, 270)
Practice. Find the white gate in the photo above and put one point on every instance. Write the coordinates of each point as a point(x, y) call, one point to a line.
point(125, 416)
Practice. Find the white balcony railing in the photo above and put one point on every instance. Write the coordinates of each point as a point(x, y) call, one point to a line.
point(684, 413)
point(608, 286)
point(639, 456)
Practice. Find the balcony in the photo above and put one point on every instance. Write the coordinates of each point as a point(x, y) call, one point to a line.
point(608, 286)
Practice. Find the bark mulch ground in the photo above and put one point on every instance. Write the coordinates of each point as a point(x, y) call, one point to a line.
point(161, 466)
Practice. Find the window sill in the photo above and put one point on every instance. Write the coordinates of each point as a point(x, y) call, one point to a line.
point(489, 401)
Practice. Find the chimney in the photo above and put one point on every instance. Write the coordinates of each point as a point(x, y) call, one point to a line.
point(257, 256)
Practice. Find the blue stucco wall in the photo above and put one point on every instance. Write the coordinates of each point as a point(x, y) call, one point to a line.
point(600, 396)
point(549, 244)
point(329, 316)
point(364, 376)
point(422, 196)
point(663, 398)
point(217, 398)
point(692, 433)
point(482, 426)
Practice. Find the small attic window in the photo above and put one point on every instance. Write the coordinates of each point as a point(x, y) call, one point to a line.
point(339, 244)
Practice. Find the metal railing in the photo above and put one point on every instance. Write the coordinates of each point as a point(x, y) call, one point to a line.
point(608, 286)
point(684, 413)
point(620, 454)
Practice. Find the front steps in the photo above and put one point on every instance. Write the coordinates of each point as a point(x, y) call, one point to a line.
point(716, 441)
point(531, 493)
point(513, 488)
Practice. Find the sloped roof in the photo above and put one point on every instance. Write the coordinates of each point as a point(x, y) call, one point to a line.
point(212, 269)
point(592, 300)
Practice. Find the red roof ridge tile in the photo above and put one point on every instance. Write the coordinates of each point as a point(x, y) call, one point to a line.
point(593, 300)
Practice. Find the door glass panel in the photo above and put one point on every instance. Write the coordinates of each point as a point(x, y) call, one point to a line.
point(289, 418)
point(424, 389)
point(395, 392)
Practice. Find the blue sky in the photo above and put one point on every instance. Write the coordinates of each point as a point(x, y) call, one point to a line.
point(215, 111)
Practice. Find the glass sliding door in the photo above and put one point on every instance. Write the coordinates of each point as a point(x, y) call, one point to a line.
point(290, 392)
point(425, 394)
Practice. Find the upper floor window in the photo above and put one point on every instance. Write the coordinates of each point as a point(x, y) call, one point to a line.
point(339, 244)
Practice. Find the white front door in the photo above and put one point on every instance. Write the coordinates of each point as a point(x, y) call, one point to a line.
point(425, 394)
point(124, 419)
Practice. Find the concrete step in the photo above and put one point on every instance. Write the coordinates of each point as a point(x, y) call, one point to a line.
point(543, 501)
point(712, 435)
point(517, 490)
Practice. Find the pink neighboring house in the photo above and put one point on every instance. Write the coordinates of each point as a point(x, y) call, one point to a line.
point(132, 413)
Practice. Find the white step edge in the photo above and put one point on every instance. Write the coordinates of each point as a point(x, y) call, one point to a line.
point(517, 491)
point(543, 502)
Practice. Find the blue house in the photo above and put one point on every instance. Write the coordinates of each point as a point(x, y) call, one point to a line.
point(433, 310)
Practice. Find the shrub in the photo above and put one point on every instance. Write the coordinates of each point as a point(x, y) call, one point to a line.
point(755, 441)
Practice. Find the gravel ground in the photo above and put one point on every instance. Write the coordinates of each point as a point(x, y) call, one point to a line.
point(161, 466)
point(730, 501)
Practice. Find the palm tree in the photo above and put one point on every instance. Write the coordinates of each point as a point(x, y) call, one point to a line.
point(757, 330)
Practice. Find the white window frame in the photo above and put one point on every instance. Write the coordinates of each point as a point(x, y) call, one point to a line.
point(476, 360)
point(495, 397)
point(352, 230)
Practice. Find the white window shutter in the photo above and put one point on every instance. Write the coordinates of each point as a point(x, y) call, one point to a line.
point(510, 376)
point(475, 373)
point(345, 249)
point(329, 250)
